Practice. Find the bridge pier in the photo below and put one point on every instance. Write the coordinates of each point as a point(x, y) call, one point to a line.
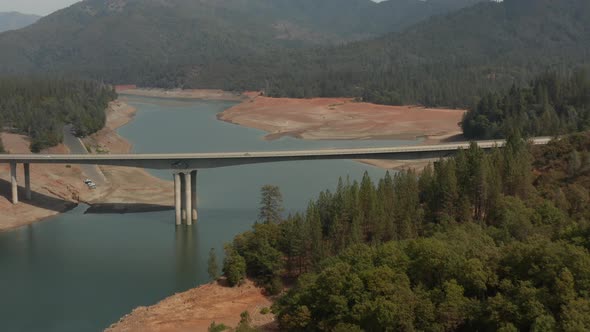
point(14, 183)
point(185, 197)
point(178, 198)
point(27, 167)
point(188, 201)
point(195, 215)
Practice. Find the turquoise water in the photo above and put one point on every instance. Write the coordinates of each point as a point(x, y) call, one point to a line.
point(82, 272)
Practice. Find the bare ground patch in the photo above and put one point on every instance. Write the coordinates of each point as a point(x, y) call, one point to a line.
point(196, 309)
point(342, 118)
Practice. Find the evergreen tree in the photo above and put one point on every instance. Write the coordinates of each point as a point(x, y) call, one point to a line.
point(212, 267)
point(517, 167)
point(408, 215)
point(40, 107)
point(234, 266)
point(271, 204)
point(521, 265)
point(552, 104)
point(316, 242)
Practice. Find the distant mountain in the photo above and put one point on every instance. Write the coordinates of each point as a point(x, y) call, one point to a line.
point(167, 42)
point(14, 20)
point(447, 60)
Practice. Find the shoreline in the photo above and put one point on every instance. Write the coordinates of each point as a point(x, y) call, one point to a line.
point(346, 119)
point(203, 94)
point(54, 192)
point(133, 190)
point(342, 119)
point(196, 308)
point(61, 189)
point(58, 189)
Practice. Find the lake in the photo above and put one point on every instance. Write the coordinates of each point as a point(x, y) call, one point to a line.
point(82, 272)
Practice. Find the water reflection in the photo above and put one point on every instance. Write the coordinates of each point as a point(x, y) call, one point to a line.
point(29, 243)
point(82, 272)
point(187, 256)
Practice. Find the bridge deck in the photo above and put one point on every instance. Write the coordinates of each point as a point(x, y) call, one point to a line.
point(221, 159)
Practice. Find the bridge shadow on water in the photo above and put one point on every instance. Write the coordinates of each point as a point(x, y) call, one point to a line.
point(56, 204)
point(125, 208)
point(37, 199)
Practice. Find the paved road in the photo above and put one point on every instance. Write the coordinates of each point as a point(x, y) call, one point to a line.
point(76, 147)
point(212, 160)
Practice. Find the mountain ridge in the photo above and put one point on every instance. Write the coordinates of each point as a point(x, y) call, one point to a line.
point(15, 20)
point(453, 59)
point(157, 42)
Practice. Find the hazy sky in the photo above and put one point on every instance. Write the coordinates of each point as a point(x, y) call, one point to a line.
point(39, 7)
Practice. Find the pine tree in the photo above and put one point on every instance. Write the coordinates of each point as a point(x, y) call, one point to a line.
point(367, 205)
point(212, 267)
point(271, 204)
point(517, 167)
point(234, 266)
point(447, 190)
point(315, 234)
point(408, 216)
point(356, 233)
point(574, 163)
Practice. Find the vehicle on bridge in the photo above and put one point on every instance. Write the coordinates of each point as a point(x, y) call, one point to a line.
point(90, 184)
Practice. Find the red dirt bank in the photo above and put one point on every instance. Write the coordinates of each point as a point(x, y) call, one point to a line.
point(342, 118)
point(194, 310)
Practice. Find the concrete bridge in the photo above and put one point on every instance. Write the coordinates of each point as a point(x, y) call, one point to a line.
point(185, 166)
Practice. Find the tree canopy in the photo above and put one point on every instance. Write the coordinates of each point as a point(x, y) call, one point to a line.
point(390, 53)
point(551, 105)
point(40, 107)
point(481, 241)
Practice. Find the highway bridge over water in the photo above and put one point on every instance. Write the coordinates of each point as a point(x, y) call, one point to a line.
point(185, 166)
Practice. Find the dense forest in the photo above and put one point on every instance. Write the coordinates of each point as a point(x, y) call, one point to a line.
point(551, 105)
point(449, 60)
point(172, 43)
point(429, 52)
point(40, 107)
point(483, 241)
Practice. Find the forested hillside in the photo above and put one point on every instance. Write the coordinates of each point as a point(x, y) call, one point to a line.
point(480, 242)
point(211, 43)
point(14, 21)
point(40, 108)
point(552, 104)
point(449, 60)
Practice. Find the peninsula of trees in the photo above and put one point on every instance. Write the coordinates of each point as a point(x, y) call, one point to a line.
point(40, 107)
point(551, 105)
point(482, 241)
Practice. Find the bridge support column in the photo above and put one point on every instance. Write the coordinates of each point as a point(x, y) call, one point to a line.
point(188, 198)
point(182, 197)
point(195, 215)
point(28, 181)
point(178, 198)
point(14, 183)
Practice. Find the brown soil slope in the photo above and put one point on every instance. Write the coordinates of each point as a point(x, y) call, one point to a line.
point(196, 309)
point(56, 188)
point(341, 118)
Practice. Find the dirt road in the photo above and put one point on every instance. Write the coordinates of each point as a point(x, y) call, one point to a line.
point(75, 145)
